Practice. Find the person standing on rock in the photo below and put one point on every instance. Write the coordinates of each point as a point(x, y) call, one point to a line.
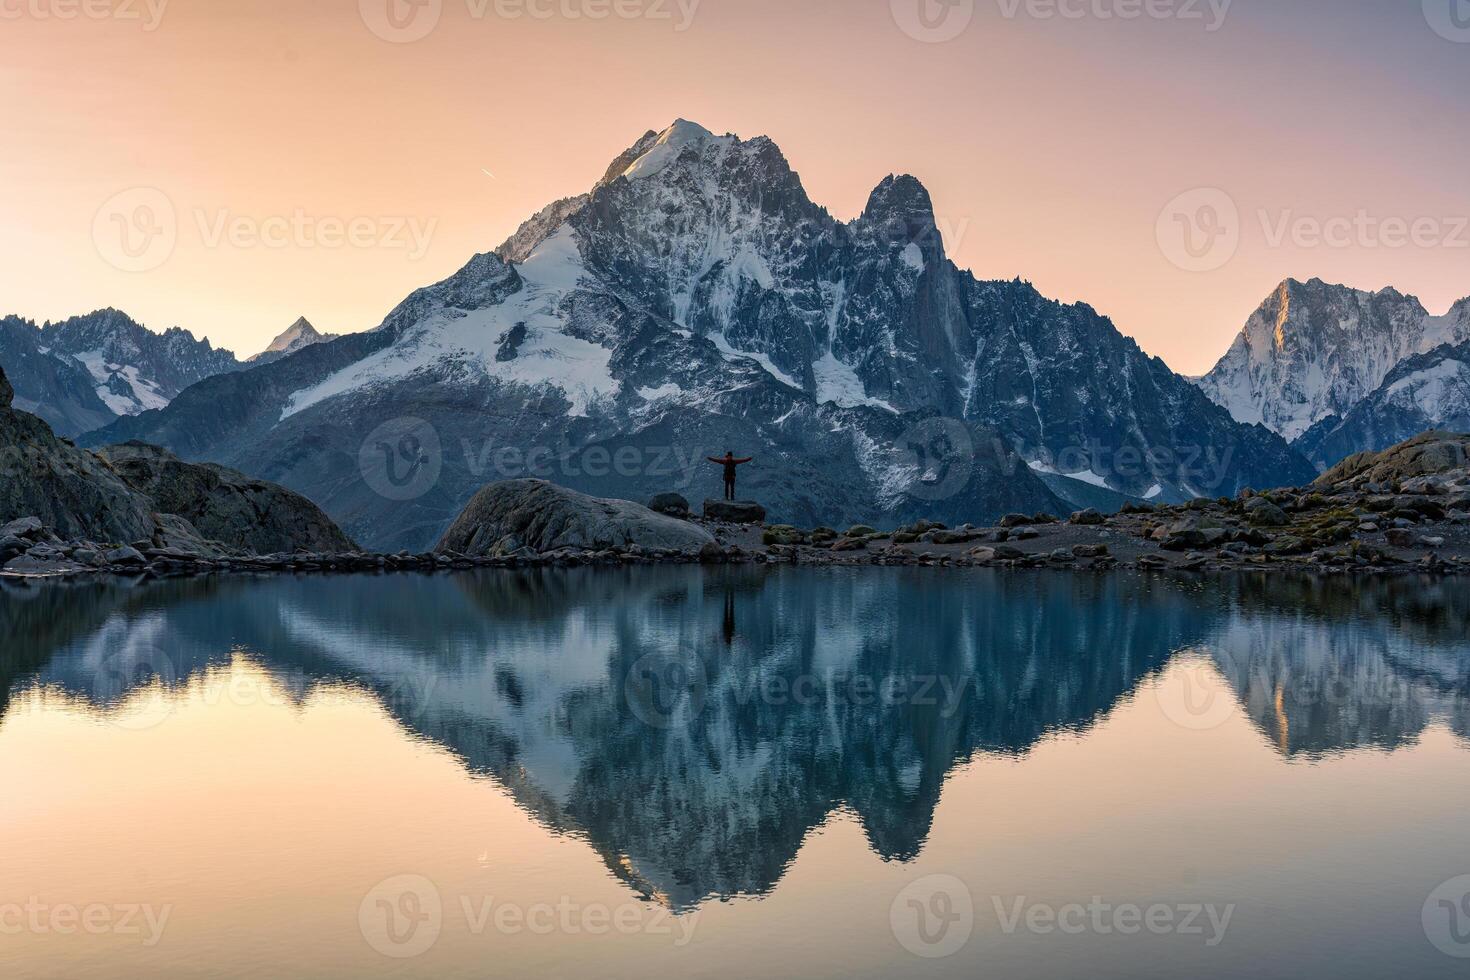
point(729, 462)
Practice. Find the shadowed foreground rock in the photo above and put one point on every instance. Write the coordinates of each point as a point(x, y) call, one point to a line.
point(65, 510)
point(226, 506)
point(734, 511)
point(67, 488)
point(505, 517)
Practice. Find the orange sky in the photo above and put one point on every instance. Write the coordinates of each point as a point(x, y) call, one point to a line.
point(1051, 144)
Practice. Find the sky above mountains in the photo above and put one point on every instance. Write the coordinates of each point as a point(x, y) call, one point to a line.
point(228, 167)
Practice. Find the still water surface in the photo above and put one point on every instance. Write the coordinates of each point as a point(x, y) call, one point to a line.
point(735, 772)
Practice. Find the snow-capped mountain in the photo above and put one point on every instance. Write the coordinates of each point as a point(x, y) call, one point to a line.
point(298, 335)
point(697, 300)
point(135, 368)
point(82, 373)
point(59, 389)
point(1425, 391)
point(1313, 350)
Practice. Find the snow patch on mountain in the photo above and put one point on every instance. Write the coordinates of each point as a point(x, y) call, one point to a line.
point(682, 135)
point(1430, 388)
point(120, 386)
point(475, 339)
point(839, 384)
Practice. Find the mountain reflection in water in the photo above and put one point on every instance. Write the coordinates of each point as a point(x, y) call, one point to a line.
point(694, 725)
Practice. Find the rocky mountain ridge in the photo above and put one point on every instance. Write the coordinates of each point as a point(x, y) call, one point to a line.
point(82, 373)
point(697, 300)
point(1315, 350)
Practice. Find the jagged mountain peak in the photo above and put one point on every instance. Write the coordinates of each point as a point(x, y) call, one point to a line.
point(900, 196)
point(109, 364)
point(1313, 349)
point(298, 335)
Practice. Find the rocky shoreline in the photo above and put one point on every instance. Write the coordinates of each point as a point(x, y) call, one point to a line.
point(1380, 534)
point(1405, 510)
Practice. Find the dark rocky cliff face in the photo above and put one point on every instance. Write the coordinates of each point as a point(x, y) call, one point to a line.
point(225, 506)
point(139, 493)
point(68, 489)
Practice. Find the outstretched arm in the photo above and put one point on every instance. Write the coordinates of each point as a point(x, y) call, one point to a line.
point(714, 459)
point(742, 462)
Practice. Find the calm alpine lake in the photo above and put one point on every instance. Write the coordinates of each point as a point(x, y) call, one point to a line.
point(735, 772)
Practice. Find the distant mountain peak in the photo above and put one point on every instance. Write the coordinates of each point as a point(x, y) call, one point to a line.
point(298, 335)
point(1314, 349)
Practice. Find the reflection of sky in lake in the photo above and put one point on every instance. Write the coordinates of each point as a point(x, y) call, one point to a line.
point(261, 754)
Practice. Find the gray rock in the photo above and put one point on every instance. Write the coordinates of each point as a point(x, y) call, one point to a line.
point(735, 511)
point(1090, 550)
point(225, 507)
point(25, 527)
point(1259, 510)
point(506, 517)
point(1087, 518)
point(65, 488)
point(28, 565)
point(125, 556)
point(670, 504)
point(1426, 454)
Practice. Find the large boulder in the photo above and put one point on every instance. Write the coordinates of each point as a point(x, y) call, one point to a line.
point(1427, 454)
point(505, 517)
point(735, 511)
point(225, 506)
point(68, 489)
point(671, 504)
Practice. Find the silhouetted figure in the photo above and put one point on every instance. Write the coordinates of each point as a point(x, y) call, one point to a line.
point(728, 626)
point(729, 462)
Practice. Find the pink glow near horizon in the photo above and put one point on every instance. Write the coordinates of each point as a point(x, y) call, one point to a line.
point(313, 167)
